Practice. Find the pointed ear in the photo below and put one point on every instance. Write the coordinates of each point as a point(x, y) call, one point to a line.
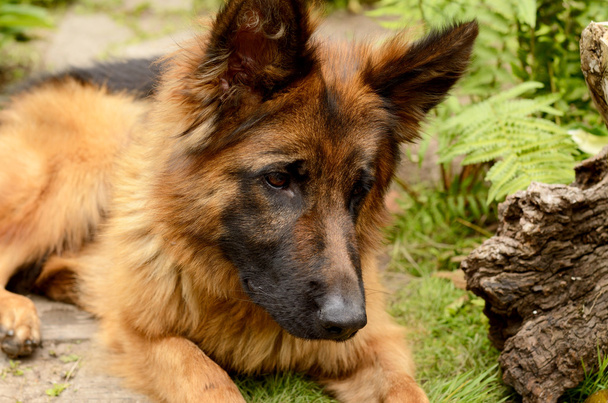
point(257, 47)
point(414, 79)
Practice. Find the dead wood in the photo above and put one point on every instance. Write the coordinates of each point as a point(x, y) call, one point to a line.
point(544, 277)
point(594, 64)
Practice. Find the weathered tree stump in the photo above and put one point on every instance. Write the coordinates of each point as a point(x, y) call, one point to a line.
point(544, 277)
point(594, 64)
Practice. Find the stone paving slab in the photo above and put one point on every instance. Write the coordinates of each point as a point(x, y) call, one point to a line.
point(68, 356)
point(81, 39)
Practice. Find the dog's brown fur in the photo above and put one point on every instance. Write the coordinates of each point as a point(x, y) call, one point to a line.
point(137, 203)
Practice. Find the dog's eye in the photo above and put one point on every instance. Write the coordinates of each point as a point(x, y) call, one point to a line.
point(277, 180)
point(359, 189)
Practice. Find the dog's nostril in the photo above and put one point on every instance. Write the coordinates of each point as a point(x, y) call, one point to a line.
point(340, 318)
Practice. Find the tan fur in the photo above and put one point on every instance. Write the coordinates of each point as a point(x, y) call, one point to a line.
point(56, 158)
point(148, 331)
point(125, 200)
point(196, 294)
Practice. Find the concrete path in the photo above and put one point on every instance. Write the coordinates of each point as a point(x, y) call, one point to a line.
point(67, 368)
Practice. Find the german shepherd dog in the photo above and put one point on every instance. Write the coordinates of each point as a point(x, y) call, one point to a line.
point(227, 221)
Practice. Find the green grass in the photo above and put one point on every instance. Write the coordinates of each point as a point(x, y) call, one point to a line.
point(282, 388)
point(447, 329)
point(439, 228)
point(596, 380)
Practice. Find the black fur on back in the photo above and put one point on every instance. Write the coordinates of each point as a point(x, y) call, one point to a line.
point(136, 76)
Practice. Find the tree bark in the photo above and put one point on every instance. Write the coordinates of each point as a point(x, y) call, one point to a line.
point(544, 277)
point(594, 64)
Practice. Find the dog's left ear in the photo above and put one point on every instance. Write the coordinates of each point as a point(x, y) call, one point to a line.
point(413, 79)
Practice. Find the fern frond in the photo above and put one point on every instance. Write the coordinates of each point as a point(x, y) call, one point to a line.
point(504, 169)
point(518, 90)
point(509, 188)
point(485, 155)
point(525, 147)
point(526, 107)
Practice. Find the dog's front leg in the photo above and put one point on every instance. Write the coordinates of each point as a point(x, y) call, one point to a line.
point(19, 322)
point(173, 369)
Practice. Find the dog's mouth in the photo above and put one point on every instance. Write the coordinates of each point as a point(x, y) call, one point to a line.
point(341, 335)
point(338, 321)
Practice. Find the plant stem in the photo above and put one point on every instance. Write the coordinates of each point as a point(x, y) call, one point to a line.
point(445, 176)
point(532, 54)
point(408, 189)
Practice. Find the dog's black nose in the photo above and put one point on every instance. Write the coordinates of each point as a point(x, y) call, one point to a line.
point(340, 318)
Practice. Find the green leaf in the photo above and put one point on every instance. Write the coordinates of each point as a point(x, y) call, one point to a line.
point(526, 12)
point(24, 16)
point(524, 147)
point(588, 142)
point(57, 388)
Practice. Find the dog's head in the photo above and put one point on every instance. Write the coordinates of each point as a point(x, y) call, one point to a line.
point(285, 148)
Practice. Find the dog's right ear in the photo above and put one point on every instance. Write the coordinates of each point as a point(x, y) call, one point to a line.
point(257, 47)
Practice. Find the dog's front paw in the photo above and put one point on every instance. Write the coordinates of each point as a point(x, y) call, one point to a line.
point(410, 393)
point(19, 325)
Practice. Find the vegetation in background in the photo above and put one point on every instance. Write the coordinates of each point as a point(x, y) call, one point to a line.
point(17, 21)
point(448, 331)
point(504, 129)
point(509, 122)
point(438, 228)
point(520, 41)
point(455, 360)
point(17, 18)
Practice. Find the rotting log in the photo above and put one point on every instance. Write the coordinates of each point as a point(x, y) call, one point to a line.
point(594, 64)
point(544, 277)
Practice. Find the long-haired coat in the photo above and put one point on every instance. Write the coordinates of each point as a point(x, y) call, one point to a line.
point(229, 221)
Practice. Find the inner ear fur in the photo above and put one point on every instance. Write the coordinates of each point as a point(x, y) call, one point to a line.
point(258, 47)
point(254, 49)
point(413, 78)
